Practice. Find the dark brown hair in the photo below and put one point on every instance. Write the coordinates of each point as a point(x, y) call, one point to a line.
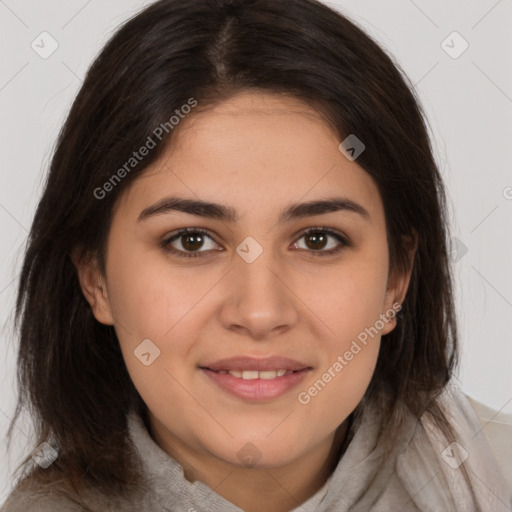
point(71, 371)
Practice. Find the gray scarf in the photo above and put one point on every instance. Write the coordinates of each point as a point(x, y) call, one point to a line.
point(423, 472)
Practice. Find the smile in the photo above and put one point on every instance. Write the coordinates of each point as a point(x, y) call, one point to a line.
point(255, 374)
point(253, 385)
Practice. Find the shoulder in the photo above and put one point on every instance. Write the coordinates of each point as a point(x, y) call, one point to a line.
point(497, 426)
point(56, 495)
point(30, 496)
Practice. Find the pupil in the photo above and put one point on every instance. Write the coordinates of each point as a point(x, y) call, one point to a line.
point(193, 242)
point(317, 239)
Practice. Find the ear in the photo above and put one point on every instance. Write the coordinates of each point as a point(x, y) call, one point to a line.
point(93, 287)
point(398, 284)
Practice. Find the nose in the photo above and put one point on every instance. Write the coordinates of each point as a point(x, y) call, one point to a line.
point(259, 302)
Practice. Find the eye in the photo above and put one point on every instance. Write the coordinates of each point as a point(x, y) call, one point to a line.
point(317, 239)
point(187, 242)
point(190, 240)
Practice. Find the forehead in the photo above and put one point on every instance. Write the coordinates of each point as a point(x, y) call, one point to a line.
point(254, 149)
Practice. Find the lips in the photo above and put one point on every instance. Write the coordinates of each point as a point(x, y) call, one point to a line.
point(256, 379)
point(241, 365)
point(255, 374)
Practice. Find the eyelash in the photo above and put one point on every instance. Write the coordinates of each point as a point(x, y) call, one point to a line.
point(165, 244)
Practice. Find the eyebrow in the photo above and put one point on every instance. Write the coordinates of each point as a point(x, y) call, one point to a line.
point(227, 214)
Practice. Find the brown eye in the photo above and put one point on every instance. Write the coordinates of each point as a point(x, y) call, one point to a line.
point(192, 242)
point(317, 240)
point(188, 242)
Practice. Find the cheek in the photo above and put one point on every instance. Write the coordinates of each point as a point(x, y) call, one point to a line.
point(350, 304)
point(148, 297)
point(336, 388)
point(153, 301)
point(347, 298)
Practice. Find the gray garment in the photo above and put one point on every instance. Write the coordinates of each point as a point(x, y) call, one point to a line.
point(419, 475)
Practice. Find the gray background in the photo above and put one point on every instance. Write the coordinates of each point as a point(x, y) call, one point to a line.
point(468, 100)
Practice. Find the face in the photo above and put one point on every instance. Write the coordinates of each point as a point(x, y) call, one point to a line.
point(258, 278)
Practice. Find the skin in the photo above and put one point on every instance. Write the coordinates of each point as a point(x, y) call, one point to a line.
point(256, 153)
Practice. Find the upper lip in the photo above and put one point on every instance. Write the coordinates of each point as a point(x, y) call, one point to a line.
point(241, 363)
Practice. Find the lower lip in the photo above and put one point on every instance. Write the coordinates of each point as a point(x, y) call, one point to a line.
point(257, 389)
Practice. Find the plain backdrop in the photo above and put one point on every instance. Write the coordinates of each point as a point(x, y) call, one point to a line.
point(464, 81)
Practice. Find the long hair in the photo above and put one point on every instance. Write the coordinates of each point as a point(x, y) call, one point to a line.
point(71, 373)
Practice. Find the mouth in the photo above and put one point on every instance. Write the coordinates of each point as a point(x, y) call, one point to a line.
point(256, 374)
point(253, 379)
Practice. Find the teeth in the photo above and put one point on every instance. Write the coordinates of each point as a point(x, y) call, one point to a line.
point(254, 374)
point(269, 374)
point(250, 375)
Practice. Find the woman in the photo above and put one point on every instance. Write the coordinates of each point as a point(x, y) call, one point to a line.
point(236, 293)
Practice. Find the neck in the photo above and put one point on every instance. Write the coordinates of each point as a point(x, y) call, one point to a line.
point(254, 489)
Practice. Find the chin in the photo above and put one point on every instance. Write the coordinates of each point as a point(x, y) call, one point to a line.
point(258, 454)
